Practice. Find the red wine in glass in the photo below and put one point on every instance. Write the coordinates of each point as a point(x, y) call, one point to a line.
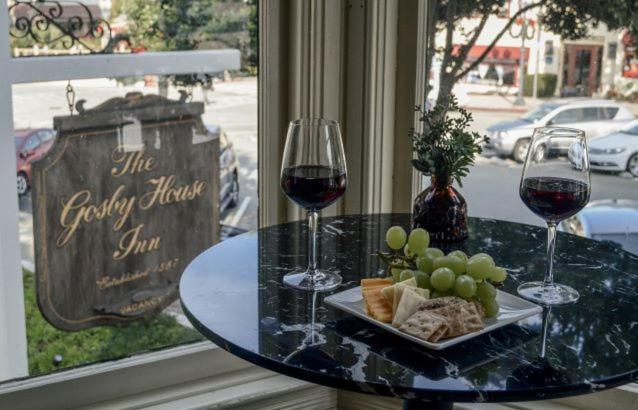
point(313, 187)
point(554, 188)
point(313, 175)
point(554, 198)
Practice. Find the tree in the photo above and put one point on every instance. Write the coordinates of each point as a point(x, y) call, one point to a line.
point(571, 19)
point(168, 25)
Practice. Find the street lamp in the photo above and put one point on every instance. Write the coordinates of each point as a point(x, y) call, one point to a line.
point(526, 32)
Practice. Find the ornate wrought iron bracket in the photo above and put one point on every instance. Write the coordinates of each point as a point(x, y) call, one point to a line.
point(35, 19)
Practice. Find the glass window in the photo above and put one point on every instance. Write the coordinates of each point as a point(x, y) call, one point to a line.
point(592, 114)
point(536, 114)
point(132, 26)
point(571, 77)
point(32, 143)
point(150, 144)
point(611, 112)
point(568, 116)
point(46, 136)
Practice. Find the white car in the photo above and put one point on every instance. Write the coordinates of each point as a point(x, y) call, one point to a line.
point(595, 117)
point(614, 220)
point(616, 152)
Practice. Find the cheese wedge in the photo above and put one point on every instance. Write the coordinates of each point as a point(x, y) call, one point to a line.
point(388, 291)
point(424, 293)
point(377, 305)
point(398, 291)
point(410, 301)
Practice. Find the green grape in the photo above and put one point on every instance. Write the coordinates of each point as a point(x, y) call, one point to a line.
point(480, 268)
point(482, 255)
point(485, 291)
point(459, 254)
point(498, 274)
point(419, 240)
point(422, 279)
point(433, 253)
point(395, 237)
point(424, 264)
point(437, 294)
point(406, 274)
point(452, 262)
point(491, 307)
point(442, 279)
point(407, 251)
point(396, 274)
point(464, 286)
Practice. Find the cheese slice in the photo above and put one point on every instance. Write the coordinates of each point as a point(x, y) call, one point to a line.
point(398, 291)
point(365, 283)
point(376, 305)
point(425, 293)
point(410, 301)
point(388, 291)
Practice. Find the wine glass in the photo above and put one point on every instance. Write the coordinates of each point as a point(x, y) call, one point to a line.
point(554, 187)
point(313, 175)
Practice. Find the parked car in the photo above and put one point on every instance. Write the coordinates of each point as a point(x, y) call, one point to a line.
point(595, 117)
point(614, 220)
point(617, 151)
point(228, 170)
point(30, 145)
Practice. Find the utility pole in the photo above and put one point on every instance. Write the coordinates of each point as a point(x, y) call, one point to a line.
point(538, 54)
point(524, 34)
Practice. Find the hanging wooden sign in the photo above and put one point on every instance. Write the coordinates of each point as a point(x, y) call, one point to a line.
point(124, 200)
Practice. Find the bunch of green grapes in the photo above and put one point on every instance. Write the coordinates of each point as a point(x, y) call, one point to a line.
point(471, 278)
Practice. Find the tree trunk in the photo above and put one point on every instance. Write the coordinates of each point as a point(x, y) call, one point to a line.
point(446, 84)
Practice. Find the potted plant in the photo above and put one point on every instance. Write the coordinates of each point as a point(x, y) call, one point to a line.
point(444, 150)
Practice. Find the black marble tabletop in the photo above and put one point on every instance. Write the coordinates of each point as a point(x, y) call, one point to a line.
point(233, 294)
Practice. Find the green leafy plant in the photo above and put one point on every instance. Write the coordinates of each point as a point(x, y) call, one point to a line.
point(96, 344)
point(445, 149)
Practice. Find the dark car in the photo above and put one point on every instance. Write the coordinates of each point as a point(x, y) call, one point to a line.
point(30, 145)
point(228, 170)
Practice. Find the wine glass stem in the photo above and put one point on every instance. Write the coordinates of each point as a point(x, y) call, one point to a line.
point(551, 245)
point(312, 242)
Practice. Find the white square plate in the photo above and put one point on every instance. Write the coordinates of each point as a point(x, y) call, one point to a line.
point(512, 310)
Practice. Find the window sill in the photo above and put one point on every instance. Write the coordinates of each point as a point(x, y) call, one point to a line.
point(130, 376)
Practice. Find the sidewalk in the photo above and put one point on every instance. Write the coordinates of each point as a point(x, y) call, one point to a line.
point(505, 103)
point(502, 103)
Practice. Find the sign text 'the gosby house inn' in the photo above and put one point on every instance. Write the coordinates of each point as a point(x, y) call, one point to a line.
point(125, 198)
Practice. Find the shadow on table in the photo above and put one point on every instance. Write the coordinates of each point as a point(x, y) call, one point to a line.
point(435, 364)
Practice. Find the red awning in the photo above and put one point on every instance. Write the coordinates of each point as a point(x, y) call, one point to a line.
point(498, 54)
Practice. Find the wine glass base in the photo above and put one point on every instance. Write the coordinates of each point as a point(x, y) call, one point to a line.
point(321, 281)
point(548, 294)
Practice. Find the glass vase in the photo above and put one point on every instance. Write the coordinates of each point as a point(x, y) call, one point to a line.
point(442, 211)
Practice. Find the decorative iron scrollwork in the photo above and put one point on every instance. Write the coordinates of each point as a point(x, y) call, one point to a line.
point(36, 19)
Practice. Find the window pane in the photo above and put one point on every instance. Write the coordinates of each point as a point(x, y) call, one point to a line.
point(562, 81)
point(591, 114)
point(153, 171)
point(132, 26)
point(127, 272)
point(611, 112)
point(568, 116)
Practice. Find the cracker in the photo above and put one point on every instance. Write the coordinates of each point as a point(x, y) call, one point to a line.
point(461, 319)
point(431, 304)
point(423, 324)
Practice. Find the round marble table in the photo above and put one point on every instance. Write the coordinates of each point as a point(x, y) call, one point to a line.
point(233, 294)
